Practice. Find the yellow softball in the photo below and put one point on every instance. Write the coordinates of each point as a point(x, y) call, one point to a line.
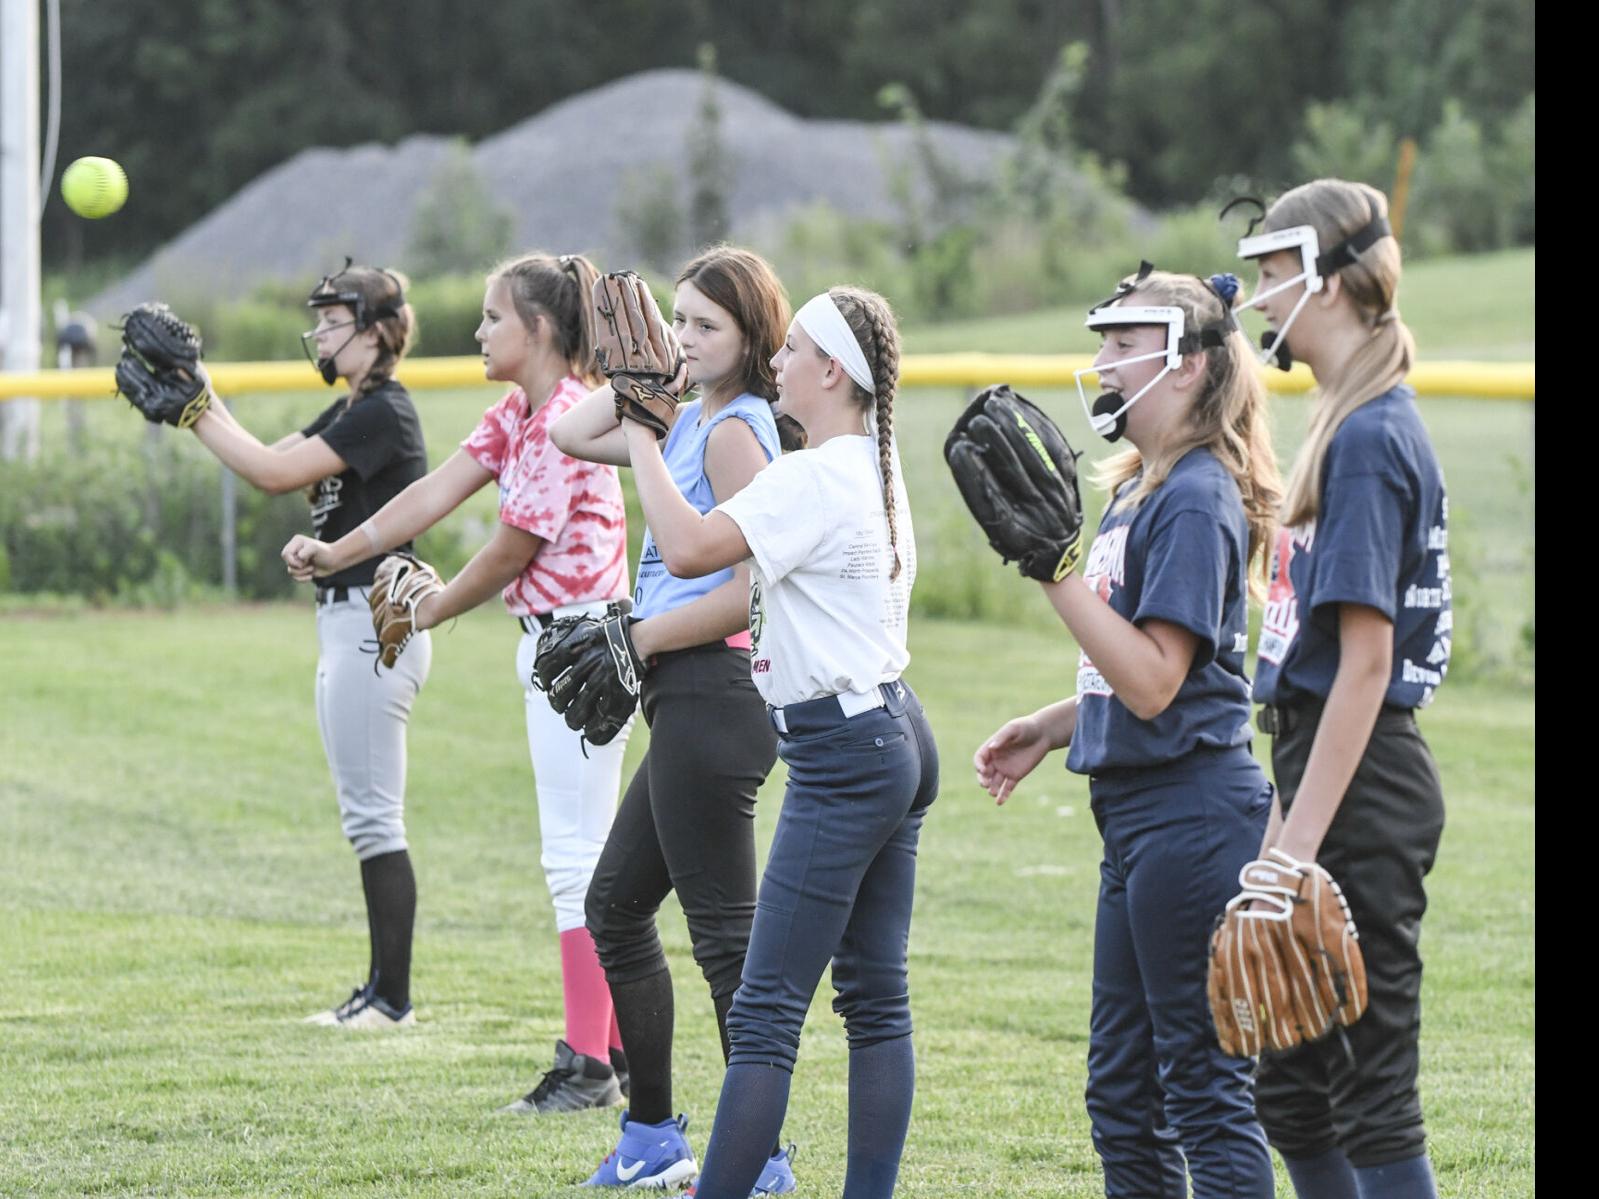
point(94, 187)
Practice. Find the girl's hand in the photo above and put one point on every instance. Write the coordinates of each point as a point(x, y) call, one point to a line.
point(1010, 755)
point(306, 558)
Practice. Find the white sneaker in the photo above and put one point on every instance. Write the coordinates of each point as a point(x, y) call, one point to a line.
point(334, 1015)
point(375, 1012)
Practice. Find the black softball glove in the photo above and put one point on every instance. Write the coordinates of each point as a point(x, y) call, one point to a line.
point(1018, 476)
point(158, 371)
point(588, 668)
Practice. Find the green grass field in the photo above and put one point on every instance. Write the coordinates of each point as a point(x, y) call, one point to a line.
point(176, 895)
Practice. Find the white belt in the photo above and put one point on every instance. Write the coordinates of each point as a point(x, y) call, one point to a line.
point(850, 703)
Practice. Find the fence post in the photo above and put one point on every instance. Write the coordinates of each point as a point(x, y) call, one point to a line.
point(230, 539)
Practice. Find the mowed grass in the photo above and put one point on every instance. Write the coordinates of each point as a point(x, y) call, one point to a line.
point(175, 896)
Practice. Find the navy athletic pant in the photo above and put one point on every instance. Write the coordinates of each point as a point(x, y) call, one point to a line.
point(838, 888)
point(1163, 1100)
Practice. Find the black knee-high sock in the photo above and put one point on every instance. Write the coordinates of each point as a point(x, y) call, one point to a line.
point(645, 1018)
point(390, 887)
point(724, 1004)
point(372, 937)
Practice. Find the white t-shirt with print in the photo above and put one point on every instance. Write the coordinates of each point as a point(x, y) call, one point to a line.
point(824, 617)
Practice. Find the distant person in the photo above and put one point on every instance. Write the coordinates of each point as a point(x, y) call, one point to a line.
point(1356, 637)
point(559, 548)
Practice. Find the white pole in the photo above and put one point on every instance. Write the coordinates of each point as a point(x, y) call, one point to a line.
point(19, 217)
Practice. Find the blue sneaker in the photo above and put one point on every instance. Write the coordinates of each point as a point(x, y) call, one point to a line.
point(776, 1179)
point(778, 1176)
point(652, 1156)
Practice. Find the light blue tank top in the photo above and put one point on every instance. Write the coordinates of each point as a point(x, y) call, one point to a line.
point(657, 590)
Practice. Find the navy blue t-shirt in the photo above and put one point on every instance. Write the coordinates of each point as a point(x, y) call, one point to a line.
point(1380, 539)
point(379, 437)
point(1181, 557)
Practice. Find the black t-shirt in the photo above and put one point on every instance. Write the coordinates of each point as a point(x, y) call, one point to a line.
point(380, 439)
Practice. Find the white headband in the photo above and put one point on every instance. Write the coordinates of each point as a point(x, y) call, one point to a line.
point(826, 326)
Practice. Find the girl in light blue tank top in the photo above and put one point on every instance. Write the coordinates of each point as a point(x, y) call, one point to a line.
point(657, 590)
point(687, 820)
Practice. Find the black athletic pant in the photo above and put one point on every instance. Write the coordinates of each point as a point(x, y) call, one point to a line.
point(1379, 848)
point(687, 822)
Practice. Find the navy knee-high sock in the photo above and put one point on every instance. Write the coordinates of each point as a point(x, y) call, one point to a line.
point(1325, 1176)
point(882, 1082)
point(1408, 1179)
point(748, 1118)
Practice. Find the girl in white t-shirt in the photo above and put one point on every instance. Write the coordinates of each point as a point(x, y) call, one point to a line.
point(827, 536)
point(560, 547)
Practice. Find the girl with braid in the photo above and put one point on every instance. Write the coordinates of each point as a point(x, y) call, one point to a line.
point(687, 820)
point(365, 448)
point(560, 547)
point(826, 536)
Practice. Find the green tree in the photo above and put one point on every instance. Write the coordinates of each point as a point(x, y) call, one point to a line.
point(1339, 141)
point(709, 164)
point(458, 226)
point(650, 217)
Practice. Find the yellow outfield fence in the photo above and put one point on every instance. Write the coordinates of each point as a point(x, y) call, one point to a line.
point(1485, 380)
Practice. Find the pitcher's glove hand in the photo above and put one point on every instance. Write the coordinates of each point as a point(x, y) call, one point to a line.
point(158, 371)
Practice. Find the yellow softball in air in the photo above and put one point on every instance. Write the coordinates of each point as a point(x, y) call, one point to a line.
point(94, 187)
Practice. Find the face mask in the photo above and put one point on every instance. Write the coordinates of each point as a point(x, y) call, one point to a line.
point(1315, 269)
point(1108, 413)
point(326, 365)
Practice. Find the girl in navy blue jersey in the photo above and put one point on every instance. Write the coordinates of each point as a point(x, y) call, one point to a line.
point(1160, 723)
point(1355, 637)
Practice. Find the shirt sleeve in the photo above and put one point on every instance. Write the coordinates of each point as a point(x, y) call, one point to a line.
point(783, 515)
point(323, 420)
point(1359, 543)
point(489, 444)
point(1186, 568)
point(366, 436)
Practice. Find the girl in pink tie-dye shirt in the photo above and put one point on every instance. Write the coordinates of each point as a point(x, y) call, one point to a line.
point(560, 547)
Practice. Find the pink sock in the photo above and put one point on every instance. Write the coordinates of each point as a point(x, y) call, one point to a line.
point(616, 1032)
point(589, 1014)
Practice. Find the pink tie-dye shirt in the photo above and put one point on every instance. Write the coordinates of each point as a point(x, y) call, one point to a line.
point(575, 506)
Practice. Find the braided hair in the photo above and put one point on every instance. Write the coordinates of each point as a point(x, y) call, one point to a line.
point(872, 321)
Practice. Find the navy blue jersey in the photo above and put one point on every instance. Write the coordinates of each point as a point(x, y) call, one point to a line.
point(1181, 557)
point(1381, 539)
point(379, 437)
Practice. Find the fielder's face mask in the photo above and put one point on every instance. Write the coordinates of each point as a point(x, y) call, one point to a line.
point(329, 293)
point(1108, 413)
point(1315, 268)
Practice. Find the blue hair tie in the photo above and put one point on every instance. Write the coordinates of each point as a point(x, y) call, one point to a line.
point(1226, 286)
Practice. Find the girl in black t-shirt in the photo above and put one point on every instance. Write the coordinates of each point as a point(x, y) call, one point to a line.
point(352, 459)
